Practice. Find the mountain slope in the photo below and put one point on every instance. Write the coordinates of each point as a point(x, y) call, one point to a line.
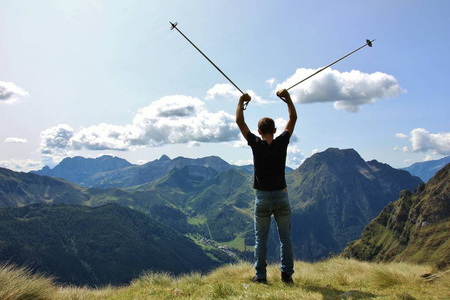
point(415, 228)
point(18, 189)
point(334, 195)
point(217, 203)
point(426, 170)
point(78, 169)
point(112, 172)
point(110, 244)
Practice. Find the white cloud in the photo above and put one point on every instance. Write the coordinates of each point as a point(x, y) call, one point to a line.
point(280, 124)
point(242, 162)
point(102, 137)
point(193, 144)
point(401, 136)
point(314, 151)
point(223, 91)
point(271, 81)
point(16, 140)
point(403, 149)
point(423, 141)
point(226, 91)
point(170, 120)
point(56, 144)
point(241, 143)
point(427, 158)
point(348, 90)
point(21, 165)
point(179, 120)
point(294, 156)
point(55, 139)
point(10, 93)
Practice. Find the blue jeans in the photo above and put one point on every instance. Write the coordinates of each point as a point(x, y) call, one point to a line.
point(266, 204)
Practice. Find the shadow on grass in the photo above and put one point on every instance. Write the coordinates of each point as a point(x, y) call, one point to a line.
point(330, 293)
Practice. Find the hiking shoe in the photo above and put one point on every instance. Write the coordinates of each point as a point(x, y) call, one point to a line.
point(286, 278)
point(259, 279)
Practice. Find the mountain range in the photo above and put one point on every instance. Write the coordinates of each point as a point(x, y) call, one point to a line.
point(415, 228)
point(334, 194)
point(113, 172)
point(425, 170)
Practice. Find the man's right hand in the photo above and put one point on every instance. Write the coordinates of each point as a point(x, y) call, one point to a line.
point(284, 95)
point(245, 98)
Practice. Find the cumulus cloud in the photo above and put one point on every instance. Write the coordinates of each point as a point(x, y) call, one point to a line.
point(55, 139)
point(280, 124)
point(242, 162)
point(226, 91)
point(401, 136)
point(223, 91)
point(423, 141)
point(56, 143)
point(294, 156)
point(271, 81)
point(427, 158)
point(10, 93)
point(101, 137)
point(170, 120)
point(404, 149)
point(25, 165)
point(179, 120)
point(348, 90)
point(16, 140)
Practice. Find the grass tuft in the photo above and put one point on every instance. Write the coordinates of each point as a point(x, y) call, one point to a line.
point(20, 283)
point(336, 278)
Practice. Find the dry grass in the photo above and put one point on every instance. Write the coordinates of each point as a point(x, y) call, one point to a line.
point(336, 278)
point(19, 283)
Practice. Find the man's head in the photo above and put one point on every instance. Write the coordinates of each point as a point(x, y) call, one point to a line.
point(266, 126)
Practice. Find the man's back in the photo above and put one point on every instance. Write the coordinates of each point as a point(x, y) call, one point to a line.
point(269, 161)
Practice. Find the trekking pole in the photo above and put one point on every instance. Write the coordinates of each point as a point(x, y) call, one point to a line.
point(368, 43)
point(174, 26)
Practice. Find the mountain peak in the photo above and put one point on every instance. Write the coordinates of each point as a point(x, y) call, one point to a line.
point(164, 158)
point(335, 158)
point(77, 169)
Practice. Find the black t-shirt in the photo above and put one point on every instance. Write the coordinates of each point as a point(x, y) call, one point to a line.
point(269, 161)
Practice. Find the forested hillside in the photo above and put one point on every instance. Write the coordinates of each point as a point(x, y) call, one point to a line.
point(110, 244)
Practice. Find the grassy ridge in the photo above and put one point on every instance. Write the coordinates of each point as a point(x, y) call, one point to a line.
point(336, 278)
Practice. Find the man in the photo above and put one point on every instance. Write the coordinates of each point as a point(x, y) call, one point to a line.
point(269, 160)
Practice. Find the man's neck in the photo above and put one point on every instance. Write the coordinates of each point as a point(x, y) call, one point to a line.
point(268, 138)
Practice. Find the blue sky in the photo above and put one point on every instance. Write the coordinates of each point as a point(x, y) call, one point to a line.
point(109, 77)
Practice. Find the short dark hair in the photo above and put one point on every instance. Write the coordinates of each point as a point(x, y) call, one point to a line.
point(266, 125)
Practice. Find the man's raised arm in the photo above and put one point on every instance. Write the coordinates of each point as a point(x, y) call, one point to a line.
point(284, 95)
point(240, 121)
